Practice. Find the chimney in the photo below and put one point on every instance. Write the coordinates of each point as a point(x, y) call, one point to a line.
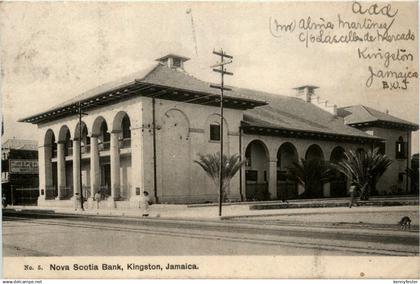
point(173, 61)
point(307, 92)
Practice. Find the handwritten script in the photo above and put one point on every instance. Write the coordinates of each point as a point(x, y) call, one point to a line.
point(387, 66)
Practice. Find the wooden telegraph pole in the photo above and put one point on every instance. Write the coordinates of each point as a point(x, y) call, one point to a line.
point(220, 68)
point(80, 113)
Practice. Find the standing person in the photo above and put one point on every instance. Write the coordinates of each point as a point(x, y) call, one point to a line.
point(4, 201)
point(76, 201)
point(144, 203)
point(352, 191)
point(97, 198)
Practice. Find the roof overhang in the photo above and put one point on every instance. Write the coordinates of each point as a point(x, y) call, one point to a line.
point(385, 124)
point(139, 88)
point(297, 133)
point(173, 55)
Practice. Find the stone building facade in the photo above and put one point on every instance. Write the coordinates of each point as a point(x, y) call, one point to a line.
point(144, 131)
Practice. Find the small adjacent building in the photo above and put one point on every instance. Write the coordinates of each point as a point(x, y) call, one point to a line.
point(144, 131)
point(396, 144)
point(19, 171)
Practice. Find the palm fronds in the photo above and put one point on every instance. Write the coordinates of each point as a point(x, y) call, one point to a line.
point(364, 168)
point(311, 174)
point(210, 163)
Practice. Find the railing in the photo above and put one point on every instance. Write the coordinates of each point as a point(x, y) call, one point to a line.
point(50, 192)
point(105, 191)
point(104, 146)
point(66, 192)
point(85, 149)
point(69, 151)
point(125, 143)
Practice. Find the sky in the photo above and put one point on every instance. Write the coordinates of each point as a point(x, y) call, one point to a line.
point(52, 51)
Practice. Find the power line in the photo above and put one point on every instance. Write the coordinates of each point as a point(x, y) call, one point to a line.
point(220, 68)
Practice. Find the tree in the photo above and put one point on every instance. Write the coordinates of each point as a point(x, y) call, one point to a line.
point(312, 175)
point(210, 163)
point(364, 168)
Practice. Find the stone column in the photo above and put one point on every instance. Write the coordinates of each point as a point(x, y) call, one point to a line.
point(45, 171)
point(76, 167)
point(136, 163)
point(94, 166)
point(272, 181)
point(61, 170)
point(115, 166)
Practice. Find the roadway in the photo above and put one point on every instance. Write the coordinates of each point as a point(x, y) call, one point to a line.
point(74, 235)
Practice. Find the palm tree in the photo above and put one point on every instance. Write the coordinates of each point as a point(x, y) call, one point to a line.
point(312, 174)
point(364, 168)
point(210, 163)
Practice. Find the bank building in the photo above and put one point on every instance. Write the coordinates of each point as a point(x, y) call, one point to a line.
point(143, 132)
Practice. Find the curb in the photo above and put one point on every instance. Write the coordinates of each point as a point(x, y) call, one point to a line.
point(266, 227)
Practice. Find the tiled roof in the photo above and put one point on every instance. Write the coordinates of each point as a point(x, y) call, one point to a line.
point(282, 112)
point(158, 75)
point(179, 79)
point(294, 114)
point(359, 114)
point(115, 84)
point(20, 144)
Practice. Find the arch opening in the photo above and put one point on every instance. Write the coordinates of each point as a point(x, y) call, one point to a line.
point(256, 171)
point(314, 152)
point(68, 146)
point(85, 139)
point(314, 167)
point(125, 132)
point(287, 188)
point(104, 137)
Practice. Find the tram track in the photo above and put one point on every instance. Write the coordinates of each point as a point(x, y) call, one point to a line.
point(310, 242)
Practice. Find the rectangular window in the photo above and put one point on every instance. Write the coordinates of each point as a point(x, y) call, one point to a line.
point(401, 150)
point(214, 132)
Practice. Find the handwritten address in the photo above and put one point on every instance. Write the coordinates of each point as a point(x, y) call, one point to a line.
point(375, 24)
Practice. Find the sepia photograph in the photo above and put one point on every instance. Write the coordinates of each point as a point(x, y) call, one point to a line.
point(154, 139)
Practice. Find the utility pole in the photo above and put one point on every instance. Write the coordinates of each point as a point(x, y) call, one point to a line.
point(80, 113)
point(220, 68)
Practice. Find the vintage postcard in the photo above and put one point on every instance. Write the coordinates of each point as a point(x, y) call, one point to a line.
point(272, 139)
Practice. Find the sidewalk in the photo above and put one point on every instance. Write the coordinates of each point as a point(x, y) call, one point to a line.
point(242, 211)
